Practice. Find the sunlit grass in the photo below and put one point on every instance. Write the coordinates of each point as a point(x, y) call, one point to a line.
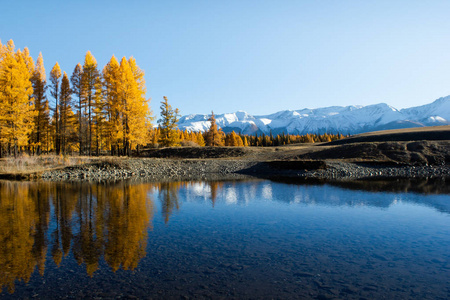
point(28, 164)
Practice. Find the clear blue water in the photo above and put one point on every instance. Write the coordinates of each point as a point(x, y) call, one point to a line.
point(249, 239)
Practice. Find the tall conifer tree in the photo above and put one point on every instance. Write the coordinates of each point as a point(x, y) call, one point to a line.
point(40, 102)
point(113, 105)
point(77, 88)
point(16, 107)
point(66, 114)
point(99, 117)
point(214, 137)
point(55, 76)
point(28, 61)
point(138, 111)
point(169, 136)
point(90, 83)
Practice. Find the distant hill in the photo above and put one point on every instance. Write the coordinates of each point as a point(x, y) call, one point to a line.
point(335, 119)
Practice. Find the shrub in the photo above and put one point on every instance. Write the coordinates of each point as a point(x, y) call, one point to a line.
point(189, 144)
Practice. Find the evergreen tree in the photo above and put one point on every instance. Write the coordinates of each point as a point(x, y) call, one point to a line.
point(46, 129)
point(138, 113)
point(99, 119)
point(213, 136)
point(154, 134)
point(239, 141)
point(113, 105)
point(168, 125)
point(245, 142)
point(41, 120)
point(30, 66)
point(127, 112)
point(128, 92)
point(55, 76)
point(16, 106)
point(200, 140)
point(66, 114)
point(90, 86)
point(77, 88)
point(28, 61)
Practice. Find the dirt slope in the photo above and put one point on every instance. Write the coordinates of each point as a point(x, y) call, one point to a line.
point(436, 133)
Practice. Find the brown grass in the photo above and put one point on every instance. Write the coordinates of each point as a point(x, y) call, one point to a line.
point(32, 164)
point(436, 133)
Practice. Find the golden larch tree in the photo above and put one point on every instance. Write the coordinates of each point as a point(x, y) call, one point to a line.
point(213, 136)
point(66, 123)
point(55, 75)
point(90, 85)
point(98, 126)
point(16, 105)
point(28, 61)
point(77, 88)
point(41, 121)
point(136, 111)
point(113, 105)
point(140, 112)
point(200, 140)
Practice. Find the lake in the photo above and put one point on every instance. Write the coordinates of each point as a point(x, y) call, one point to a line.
point(235, 239)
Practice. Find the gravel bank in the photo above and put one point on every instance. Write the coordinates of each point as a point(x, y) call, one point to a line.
point(153, 169)
point(215, 169)
point(350, 171)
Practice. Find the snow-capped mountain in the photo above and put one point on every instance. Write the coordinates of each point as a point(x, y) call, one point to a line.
point(334, 119)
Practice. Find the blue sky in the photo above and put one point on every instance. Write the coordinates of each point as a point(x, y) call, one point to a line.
point(260, 56)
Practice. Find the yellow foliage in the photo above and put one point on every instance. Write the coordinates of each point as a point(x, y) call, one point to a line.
point(16, 105)
point(213, 136)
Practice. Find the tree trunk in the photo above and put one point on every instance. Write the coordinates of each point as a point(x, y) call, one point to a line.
point(90, 128)
point(79, 129)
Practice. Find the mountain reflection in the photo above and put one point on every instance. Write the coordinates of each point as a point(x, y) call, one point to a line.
point(42, 222)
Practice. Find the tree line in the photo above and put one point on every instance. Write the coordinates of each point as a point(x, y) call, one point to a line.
point(168, 135)
point(88, 112)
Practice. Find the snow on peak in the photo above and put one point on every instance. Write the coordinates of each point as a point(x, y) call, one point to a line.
point(347, 120)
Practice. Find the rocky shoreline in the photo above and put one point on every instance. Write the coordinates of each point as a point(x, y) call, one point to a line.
point(152, 169)
point(380, 155)
point(225, 169)
point(337, 170)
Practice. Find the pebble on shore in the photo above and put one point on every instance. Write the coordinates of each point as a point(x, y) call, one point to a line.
point(161, 169)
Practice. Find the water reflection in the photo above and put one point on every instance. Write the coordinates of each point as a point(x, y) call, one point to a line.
point(435, 185)
point(92, 220)
point(168, 194)
point(23, 224)
point(97, 220)
point(391, 191)
point(42, 222)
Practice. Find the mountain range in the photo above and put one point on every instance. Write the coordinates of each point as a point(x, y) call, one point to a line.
point(352, 119)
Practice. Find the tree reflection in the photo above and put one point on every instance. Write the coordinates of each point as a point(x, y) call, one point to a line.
point(64, 201)
point(126, 219)
point(168, 195)
point(214, 187)
point(23, 224)
point(86, 248)
point(109, 221)
point(39, 194)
